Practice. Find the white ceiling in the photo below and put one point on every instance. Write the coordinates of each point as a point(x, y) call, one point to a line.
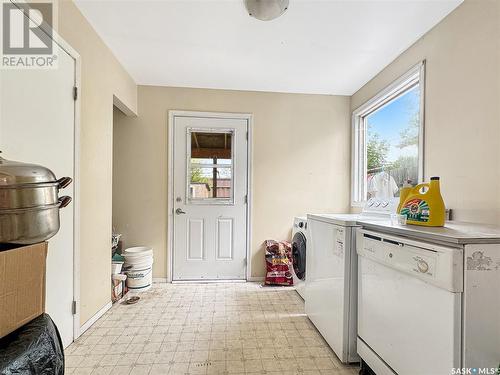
point(317, 46)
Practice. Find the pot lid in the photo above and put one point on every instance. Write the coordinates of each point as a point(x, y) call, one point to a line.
point(15, 173)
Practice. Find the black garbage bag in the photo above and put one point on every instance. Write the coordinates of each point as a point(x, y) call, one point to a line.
point(35, 348)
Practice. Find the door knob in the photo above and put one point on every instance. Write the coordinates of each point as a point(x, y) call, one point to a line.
point(179, 211)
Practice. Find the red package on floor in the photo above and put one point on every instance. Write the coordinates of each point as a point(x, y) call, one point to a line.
point(278, 263)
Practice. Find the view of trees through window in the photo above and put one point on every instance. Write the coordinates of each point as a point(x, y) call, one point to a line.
point(392, 144)
point(210, 182)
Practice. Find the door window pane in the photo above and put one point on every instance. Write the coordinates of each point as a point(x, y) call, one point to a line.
point(210, 183)
point(210, 167)
point(208, 145)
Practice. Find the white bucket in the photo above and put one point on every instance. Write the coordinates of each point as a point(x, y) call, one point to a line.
point(140, 261)
point(139, 251)
point(140, 264)
point(139, 280)
point(116, 267)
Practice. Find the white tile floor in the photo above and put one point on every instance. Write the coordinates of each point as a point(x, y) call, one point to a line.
point(237, 328)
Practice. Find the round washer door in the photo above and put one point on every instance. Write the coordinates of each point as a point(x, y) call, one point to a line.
point(299, 255)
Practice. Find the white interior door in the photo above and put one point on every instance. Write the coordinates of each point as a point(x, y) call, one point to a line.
point(210, 186)
point(37, 126)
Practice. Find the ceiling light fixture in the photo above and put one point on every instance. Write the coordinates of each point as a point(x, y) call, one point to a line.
point(266, 10)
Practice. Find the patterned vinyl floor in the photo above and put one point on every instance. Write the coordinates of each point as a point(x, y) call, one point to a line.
point(225, 328)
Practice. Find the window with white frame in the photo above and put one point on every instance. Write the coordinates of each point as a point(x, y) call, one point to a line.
point(388, 139)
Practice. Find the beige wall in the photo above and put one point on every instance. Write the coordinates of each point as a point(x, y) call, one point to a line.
point(462, 101)
point(300, 162)
point(102, 78)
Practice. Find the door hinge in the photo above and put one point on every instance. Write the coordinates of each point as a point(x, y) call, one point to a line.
point(246, 199)
point(247, 136)
point(75, 93)
point(73, 307)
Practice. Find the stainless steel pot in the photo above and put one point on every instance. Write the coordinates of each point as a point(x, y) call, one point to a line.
point(31, 195)
point(27, 226)
point(25, 185)
point(29, 202)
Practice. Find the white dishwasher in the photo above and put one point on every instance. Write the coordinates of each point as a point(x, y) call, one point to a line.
point(418, 306)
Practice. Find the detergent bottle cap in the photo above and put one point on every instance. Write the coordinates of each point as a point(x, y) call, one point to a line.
point(434, 178)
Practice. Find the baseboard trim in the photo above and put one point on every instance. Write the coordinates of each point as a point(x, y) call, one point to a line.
point(207, 281)
point(256, 278)
point(160, 280)
point(163, 280)
point(95, 318)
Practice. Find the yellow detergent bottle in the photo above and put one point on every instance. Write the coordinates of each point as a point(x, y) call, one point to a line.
point(403, 194)
point(425, 208)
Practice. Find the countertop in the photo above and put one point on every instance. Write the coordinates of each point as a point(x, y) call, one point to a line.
point(454, 232)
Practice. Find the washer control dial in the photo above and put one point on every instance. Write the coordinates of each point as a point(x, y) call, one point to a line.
point(422, 266)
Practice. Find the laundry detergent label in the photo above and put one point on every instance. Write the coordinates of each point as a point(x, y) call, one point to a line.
point(416, 210)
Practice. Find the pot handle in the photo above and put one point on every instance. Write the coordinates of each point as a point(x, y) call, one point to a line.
point(64, 201)
point(64, 181)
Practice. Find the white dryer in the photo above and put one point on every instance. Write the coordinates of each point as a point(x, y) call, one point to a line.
point(299, 250)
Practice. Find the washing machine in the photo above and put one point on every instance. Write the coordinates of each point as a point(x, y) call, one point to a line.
point(332, 279)
point(299, 246)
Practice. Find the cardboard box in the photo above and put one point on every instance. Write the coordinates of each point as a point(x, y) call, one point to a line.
point(22, 285)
